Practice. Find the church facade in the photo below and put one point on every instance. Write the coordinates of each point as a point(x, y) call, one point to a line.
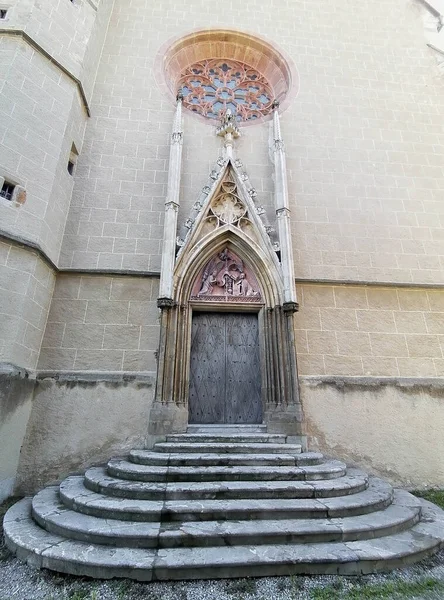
point(223, 217)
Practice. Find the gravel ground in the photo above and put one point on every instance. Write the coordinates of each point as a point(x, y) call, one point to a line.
point(21, 582)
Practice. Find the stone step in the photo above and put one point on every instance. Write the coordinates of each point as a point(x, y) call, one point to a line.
point(226, 429)
point(97, 479)
point(128, 470)
point(147, 457)
point(238, 448)
point(76, 496)
point(43, 549)
point(55, 518)
point(226, 438)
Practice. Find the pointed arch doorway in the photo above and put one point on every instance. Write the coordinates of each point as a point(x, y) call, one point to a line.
point(228, 307)
point(225, 358)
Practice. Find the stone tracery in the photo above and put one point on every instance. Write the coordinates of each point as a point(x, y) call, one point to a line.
point(211, 87)
point(227, 208)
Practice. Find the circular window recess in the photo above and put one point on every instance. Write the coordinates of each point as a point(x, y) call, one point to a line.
point(216, 70)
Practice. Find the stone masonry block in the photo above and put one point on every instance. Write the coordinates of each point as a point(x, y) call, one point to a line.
point(106, 312)
point(121, 337)
point(83, 335)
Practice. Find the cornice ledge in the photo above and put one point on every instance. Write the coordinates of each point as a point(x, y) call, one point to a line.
point(147, 377)
point(36, 46)
point(343, 382)
point(367, 283)
point(18, 240)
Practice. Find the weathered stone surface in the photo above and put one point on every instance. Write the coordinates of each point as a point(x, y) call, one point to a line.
point(43, 549)
point(60, 520)
point(98, 480)
point(146, 457)
point(249, 448)
point(137, 472)
point(231, 438)
point(73, 494)
point(197, 518)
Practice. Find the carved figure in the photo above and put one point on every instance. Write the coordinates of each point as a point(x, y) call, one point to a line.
point(207, 284)
point(226, 279)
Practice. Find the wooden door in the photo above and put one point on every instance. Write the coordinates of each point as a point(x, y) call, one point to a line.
point(225, 377)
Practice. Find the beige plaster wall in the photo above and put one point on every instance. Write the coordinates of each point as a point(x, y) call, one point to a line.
point(15, 406)
point(370, 330)
point(392, 427)
point(102, 323)
point(76, 422)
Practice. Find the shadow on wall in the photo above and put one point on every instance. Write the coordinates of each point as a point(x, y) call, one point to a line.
point(391, 426)
point(16, 389)
point(79, 421)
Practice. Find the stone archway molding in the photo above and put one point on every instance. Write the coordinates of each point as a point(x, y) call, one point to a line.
point(253, 245)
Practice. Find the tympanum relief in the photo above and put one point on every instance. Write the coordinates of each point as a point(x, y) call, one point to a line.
point(226, 278)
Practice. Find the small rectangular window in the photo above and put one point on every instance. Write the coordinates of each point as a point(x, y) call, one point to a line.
point(7, 190)
point(3, 13)
point(72, 159)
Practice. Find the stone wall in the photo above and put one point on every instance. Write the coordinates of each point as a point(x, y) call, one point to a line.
point(370, 330)
point(365, 150)
point(102, 323)
point(26, 284)
point(48, 59)
point(364, 140)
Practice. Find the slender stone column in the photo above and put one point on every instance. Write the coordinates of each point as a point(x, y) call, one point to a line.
point(171, 210)
point(283, 214)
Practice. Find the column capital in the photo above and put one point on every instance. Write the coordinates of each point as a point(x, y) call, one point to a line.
point(165, 303)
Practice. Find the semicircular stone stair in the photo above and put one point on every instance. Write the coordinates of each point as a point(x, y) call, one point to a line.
point(218, 503)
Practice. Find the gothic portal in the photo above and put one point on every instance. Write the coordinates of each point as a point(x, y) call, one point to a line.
point(228, 299)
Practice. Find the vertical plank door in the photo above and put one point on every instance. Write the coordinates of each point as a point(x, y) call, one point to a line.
point(225, 379)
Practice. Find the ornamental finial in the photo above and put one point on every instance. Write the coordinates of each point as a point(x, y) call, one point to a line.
point(228, 125)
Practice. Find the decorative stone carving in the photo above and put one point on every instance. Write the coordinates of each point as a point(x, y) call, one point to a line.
point(165, 303)
point(226, 278)
point(227, 208)
point(211, 87)
point(228, 125)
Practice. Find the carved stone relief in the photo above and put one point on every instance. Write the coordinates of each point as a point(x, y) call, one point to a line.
point(227, 208)
point(226, 278)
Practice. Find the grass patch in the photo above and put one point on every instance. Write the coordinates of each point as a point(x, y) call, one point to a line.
point(242, 586)
point(82, 595)
point(435, 496)
point(390, 589)
point(4, 506)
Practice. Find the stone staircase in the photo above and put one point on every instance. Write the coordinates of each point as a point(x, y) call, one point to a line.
point(222, 502)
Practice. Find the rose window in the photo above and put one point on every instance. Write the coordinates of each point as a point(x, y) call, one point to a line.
point(210, 87)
